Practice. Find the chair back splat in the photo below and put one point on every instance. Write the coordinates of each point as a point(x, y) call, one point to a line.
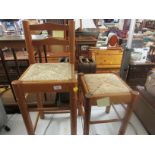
point(42, 42)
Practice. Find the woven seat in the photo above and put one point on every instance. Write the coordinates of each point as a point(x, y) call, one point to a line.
point(48, 71)
point(99, 84)
point(109, 88)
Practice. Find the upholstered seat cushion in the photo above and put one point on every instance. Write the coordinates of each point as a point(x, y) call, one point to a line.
point(105, 84)
point(48, 71)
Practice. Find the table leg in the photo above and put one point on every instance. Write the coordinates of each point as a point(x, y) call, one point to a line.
point(73, 105)
point(23, 106)
point(87, 115)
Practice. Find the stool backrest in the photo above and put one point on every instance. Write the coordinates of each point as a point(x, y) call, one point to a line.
point(41, 41)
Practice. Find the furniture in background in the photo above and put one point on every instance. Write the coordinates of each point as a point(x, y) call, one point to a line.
point(137, 73)
point(83, 43)
point(13, 59)
point(145, 110)
point(13, 62)
point(86, 65)
point(108, 89)
point(150, 24)
point(107, 60)
point(151, 54)
point(48, 77)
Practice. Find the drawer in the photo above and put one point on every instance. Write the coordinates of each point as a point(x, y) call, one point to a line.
point(140, 68)
point(137, 75)
point(105, 59)
point(136, 81)
point(109, 51)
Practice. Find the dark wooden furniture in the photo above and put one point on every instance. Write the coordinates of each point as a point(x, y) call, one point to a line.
point(12, 63)
point(13, 58)
point(100, 86)
point(83, 43)
point(137, 74)
point(48, 77)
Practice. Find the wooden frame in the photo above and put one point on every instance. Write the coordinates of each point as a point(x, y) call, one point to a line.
point(86, 102)
point(69, 40)
point(21, 87)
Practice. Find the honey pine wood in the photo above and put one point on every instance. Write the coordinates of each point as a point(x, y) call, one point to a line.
point(86, 102)
point(39, 87)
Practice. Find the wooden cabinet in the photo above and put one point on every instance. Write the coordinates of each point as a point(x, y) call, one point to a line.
point(12, 70)
point(107, 60)
point(83, 43)
point(137, 74)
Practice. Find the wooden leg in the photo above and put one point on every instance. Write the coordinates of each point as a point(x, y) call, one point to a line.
point(23, 106)
point(128, 113)
point(126, 119)
point(40, 104)
point(73, 105)
point(80, 103)
point(108, 109)
point(87, 115)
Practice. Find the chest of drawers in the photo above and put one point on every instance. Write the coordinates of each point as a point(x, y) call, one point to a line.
point(107, 60)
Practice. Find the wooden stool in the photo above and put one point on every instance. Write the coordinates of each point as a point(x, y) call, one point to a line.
point(46, 77)
point(97, 86)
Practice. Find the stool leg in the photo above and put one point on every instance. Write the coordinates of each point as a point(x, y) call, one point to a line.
point(73, 105)
point(87, 115)
point(126, 119)
point(128, 113)
point(80, 103)
point(108, 109)
point(40, 104)
point(23, 107)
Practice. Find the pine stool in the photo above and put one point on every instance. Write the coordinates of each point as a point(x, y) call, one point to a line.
point(95, 87)
point(51, 78)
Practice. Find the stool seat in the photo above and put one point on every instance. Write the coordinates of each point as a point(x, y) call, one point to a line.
point(99, 84)
point(108, 89)
point(48, 72)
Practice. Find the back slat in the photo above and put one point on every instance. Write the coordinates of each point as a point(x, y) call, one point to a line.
point(50, 41)
point(68, 42)
point(49, 26)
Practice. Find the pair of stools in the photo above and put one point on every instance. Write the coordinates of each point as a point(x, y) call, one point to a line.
point(92, 88)
point(40, 78)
